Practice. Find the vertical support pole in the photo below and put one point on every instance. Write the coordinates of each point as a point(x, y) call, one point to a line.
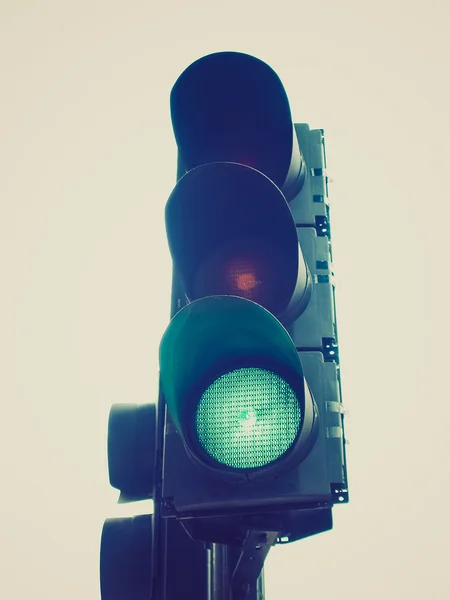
point(218, 575)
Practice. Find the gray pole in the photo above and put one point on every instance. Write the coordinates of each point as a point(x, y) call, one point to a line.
point(218, 574)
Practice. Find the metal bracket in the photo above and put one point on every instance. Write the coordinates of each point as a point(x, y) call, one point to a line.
point(252, 555)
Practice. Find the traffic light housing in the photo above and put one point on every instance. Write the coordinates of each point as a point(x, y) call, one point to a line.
point(126, 554)
point(127, 548)
point(249, 363)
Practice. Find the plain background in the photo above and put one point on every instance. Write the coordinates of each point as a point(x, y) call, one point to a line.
point(87, 163)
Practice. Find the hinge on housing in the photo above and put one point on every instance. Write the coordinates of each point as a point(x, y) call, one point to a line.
point(339, 492)
point(322, 226)
point(325, 279)
point(330, 350)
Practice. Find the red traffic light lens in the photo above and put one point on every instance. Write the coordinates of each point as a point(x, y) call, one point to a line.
point(247, 268)
point(243, 279)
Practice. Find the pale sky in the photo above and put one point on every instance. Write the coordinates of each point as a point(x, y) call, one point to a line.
point(88, 160)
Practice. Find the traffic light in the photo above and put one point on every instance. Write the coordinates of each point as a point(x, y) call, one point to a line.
point(126, 558)
point(127, 550)
point(143, 557)
point(249, 363)
point(246, 446)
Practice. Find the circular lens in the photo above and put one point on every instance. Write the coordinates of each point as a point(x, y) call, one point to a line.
point(250, 268)
point(243, 277)
point(248, 418)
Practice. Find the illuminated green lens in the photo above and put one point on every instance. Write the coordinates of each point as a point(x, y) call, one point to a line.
point(248, 418)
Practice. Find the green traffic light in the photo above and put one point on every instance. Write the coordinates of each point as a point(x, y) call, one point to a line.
point(248, 418)
point(234, 387)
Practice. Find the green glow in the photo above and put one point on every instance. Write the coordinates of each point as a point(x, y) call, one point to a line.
point(247, 418)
